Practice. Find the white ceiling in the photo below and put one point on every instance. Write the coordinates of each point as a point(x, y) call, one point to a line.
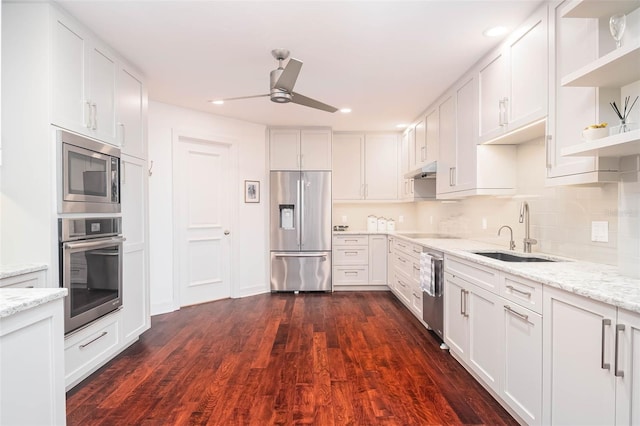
point(387, 60)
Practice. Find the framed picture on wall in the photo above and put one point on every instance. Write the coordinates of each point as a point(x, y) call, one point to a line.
point(251, 191)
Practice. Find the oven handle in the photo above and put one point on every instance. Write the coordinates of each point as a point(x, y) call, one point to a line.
point(94, 244)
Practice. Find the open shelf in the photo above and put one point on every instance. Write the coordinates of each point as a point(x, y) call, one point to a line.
point(599, 9)
point(612, 146)
point(615, 69)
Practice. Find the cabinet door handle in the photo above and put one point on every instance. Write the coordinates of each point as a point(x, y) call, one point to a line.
point(547, 147)
point(87, 110)
point(500, 111)
point(466, 302)
point(462, 302)
point(524, 293)
point(604, 365)
point(94, 108)
point(104, 333)
point(618, 373)
point(518, 314)
point(366, 190)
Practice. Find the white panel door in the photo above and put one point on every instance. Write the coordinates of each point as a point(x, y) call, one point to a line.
point(135, 315)
point(202, 202)
point(484, 313)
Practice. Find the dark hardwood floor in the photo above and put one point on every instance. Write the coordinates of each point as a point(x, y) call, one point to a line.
point(322, 359)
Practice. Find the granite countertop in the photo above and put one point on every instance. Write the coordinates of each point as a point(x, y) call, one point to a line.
point(593, 280)
point(14, 300)
point(7, 271)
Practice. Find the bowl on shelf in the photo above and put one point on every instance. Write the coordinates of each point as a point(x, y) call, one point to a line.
point(591, 134)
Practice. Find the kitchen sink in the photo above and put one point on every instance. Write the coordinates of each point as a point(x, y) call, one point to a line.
point(507, 257)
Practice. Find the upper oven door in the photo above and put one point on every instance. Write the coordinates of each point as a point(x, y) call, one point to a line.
point(90, 181)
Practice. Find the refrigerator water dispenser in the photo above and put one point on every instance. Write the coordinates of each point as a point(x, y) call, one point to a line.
point(286, 216)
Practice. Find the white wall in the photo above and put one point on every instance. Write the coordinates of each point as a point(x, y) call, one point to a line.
point(249, 238)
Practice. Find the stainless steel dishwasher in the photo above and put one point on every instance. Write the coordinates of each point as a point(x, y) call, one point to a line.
point(433, 304)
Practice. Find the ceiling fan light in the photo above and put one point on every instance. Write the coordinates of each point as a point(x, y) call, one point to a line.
point(217, 102)
point(345, 110)
point(280, 97)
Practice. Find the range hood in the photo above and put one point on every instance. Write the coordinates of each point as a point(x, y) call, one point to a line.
point(428, 171)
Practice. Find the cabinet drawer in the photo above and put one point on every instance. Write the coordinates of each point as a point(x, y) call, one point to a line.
point(404, 264)
point(404, 288)
point(522, 291)
point(350, 275)
point(408, 248)
point(87, 347)
point(480, 275)
point(350, 240)
point(28, 280)
point(351, 255)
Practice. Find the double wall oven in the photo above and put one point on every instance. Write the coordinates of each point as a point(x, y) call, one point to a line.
point(90, 241)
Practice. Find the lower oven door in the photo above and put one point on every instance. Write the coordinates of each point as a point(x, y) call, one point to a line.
point(92, 273)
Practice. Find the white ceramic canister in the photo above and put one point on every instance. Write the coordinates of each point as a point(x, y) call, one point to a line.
point(382, 224)
point(372, 223)
point(391, 225)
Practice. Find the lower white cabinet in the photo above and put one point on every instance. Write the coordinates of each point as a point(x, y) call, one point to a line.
point(493, 326)
point(590, 376)
point(32, 366)
point(29, 280)
point(404, 274)
point(359, 262)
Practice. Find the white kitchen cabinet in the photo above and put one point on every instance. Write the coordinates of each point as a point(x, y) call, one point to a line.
point(512, 81)
point(32, 369)
point(359, 262)
point(574, 44)
point(432, 135)
point(378, 260)
point(132, 113)
point(471, 317)
point(628, 385)
point(465, 168)
point(493, 325)
point(420, 136)
point(404, 266)
point(136, 316)
point(296, 149)
point(83, 81)
point(365, 167)
point(590, 348)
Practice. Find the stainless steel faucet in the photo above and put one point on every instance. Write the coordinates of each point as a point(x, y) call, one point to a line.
point(512, 244)
point(524, 218)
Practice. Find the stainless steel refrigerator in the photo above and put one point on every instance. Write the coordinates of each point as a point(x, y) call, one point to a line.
point(300, 211)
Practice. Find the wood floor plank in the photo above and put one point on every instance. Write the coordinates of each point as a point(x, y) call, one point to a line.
point(322, 359)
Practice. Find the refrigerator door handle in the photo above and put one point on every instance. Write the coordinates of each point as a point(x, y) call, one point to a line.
point(301, 210)
point(298, 214)
point(282, 255)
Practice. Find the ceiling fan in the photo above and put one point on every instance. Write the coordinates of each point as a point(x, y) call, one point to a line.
point(282, 82)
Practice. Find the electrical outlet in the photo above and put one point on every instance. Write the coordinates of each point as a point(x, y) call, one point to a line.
point(344, 219)
point(430, 220)
point(484, 223)
point(600, 231)
point(400, 219)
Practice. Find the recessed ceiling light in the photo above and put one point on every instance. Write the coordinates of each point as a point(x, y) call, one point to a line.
point(217, 102)
point(345, 110)
point(401, 126)
point(495, 31)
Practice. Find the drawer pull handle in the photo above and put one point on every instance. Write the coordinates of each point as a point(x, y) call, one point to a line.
point(516, 313)
point(350, 241)
point(618, 373)
point(350, 253)
point(401, 283)
point(604, 365)
point(351, 273)
point(104, 333)
point(401, 245)
point(524, 293)
point(402, 260)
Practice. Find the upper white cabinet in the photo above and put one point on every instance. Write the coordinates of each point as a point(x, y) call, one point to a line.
point(365, 167)
point(295, 149)
point(132, 112)
point(589, 352)
point(513, 81)
point(84, 82)
point(465, 168)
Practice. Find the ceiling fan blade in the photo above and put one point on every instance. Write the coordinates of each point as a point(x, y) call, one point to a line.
point(289, 75)
point(240, 97)
point(299, 99)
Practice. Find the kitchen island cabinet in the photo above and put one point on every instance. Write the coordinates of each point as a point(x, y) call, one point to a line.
point(365, 166)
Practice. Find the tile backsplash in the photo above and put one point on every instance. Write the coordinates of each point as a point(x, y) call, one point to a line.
point(561, 216)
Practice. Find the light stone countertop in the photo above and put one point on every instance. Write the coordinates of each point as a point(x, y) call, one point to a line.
point(7, 271)
point(14, 300)
point(593, 280)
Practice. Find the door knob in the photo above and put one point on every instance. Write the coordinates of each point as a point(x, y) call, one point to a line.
point(227, 232)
